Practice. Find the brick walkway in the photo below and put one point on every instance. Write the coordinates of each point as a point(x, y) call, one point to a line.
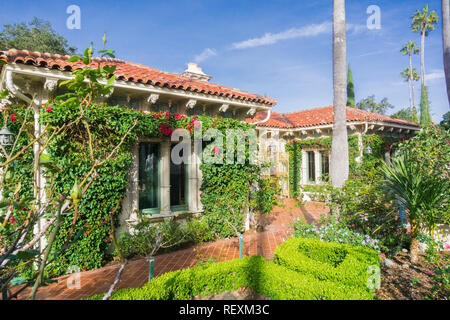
point(276, 230)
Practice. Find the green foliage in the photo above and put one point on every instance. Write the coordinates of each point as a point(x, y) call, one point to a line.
point(426, 197)
point(276, 281)
point(409, 75)
point(199, 230)
point(369, 104)
point(265, 196)
point(334, 231)
point(36, 35)
point(424, 21)
point(350, 89)
point(341, 263)
point(445, 123)
point(403, 114)
point(425, 118)
point(226, 187)
point(295, 167)
point(148, 238)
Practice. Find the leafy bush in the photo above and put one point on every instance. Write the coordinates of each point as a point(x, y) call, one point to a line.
point(147, 236)
point(342, 263)
point(267, 278)
point(334, 231)
point(264, 196)
point(198, 230)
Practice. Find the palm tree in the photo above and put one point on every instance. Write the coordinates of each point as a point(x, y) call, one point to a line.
point(410, 75)
point(339, 166)
point(446, 43)
point(410, 48)
point(423, 22)
point(420, 193)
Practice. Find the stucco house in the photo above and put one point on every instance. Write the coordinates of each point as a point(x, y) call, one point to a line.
point(33, 77)
point(276, 130)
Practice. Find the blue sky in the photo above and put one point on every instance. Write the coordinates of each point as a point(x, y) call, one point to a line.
point(278, 48)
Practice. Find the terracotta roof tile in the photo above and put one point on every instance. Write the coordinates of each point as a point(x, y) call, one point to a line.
point(320, 116)
point(133, 72)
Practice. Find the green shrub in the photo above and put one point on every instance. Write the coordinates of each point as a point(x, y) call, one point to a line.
point(331, 272)
point(337, 262)
point(199, 230)
point(264, 195)
point(267, 278)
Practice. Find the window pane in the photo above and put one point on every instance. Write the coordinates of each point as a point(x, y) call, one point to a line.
point(177, 182)
point(325, 164)
point(148, 175)
point(311, 167)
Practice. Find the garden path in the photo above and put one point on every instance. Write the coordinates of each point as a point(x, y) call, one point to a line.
point(276, 230)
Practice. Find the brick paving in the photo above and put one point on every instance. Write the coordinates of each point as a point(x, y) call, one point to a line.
point(276, 230)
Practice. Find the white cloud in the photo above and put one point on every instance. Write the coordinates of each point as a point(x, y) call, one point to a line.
point(435, 75)
point(353, 29)
point(207, 53)
point(272, 38)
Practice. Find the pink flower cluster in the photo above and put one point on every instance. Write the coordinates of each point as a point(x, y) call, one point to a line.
point(165, 129)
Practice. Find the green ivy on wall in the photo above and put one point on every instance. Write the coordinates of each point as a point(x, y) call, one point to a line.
point(378, 145)
point(225, 188)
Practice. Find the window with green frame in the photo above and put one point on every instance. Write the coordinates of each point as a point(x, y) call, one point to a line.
point(149, 177)
point(178, 185)
point(311, 167)
point(325, 165)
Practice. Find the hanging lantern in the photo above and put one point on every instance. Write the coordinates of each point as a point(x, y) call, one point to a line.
point(369, 150)
point(6, 137)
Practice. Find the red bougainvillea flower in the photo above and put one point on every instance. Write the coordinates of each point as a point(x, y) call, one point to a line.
point(216, 150)
point(446, 246)
point(165, 129)
point(12, 220)
point(49, 109)
point(195, 123)
point(12, 117)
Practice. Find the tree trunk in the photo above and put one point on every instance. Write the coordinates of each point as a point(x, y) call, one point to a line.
point(422, 57)
point(339, 166)
point(414, 250)
point(446, 43)
point(411, 85)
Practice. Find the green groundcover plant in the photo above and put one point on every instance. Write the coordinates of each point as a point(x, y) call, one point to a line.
point(304, 269)
point(334, 231)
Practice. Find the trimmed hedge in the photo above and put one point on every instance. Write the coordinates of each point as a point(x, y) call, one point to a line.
point(332, 261)
point(278, 282)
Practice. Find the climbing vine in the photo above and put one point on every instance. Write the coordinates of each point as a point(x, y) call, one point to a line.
point(378, 146)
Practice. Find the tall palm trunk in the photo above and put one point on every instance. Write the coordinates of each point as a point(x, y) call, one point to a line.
point(422, 56)
point(339, 166)
point(411, 85)
point(446, 43)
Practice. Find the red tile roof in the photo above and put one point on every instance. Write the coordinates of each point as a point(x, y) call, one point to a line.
point(133, 72)
point(320, 116)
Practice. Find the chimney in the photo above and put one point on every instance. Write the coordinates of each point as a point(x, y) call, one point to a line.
point(195, 72)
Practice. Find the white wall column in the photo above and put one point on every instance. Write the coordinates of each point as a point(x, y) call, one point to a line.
point(317, 165)
point(193, 187)
point(165, 177)
point(130, 202)
point(304, 171)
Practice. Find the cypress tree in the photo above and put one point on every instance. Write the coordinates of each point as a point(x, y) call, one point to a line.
point(425, 117)
point(350, 89)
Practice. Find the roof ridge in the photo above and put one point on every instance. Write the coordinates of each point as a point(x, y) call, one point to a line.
point(317, 108)
point(22, 52)
point(133, 72)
